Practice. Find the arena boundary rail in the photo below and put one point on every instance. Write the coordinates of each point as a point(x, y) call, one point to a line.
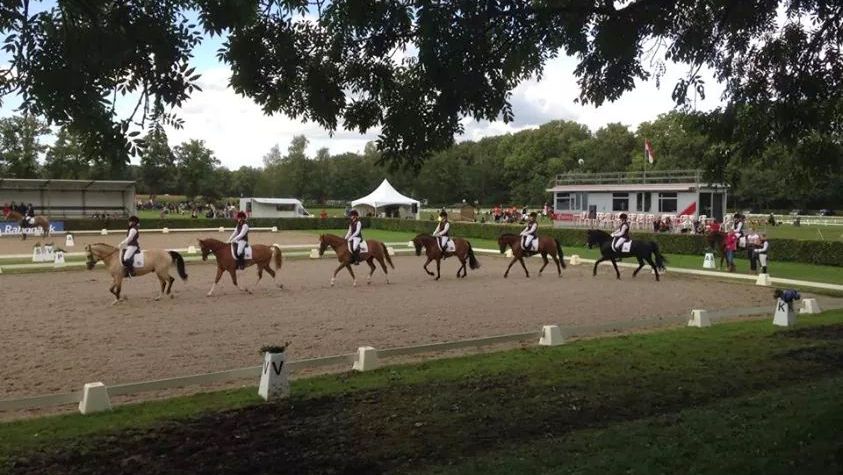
point(570, 332)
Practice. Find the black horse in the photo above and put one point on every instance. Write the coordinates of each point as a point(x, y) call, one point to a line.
point(641, 250)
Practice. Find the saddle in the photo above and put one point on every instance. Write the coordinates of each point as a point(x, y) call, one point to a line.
point(137, 260)
point(247, 251)
point(625, 247)
point(534, 246)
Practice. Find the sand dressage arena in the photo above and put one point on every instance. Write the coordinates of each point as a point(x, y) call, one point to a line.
point(58, 331)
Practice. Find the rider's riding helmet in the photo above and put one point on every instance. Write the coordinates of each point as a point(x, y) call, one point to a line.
point(241, 215)
point(354, 213)
point(443, 214)
point(623, 217)
point(533, 215)
point(134, 219)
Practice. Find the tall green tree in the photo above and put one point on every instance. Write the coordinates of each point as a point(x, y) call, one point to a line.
point(158, 167)
point(195, 165)
point(20, 145)
point(336, 62)
point(65, 159)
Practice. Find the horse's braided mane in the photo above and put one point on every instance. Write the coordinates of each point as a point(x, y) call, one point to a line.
point(507, 235)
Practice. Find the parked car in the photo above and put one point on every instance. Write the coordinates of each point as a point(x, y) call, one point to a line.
point(826, 212)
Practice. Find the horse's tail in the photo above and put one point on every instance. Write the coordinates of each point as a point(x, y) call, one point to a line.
point(561, 254)
point(179, 260)
point(472, 261)
point(276, 256)
point(386, 255)
point(660, 259)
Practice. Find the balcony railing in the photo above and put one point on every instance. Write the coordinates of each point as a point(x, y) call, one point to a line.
point(629, 178)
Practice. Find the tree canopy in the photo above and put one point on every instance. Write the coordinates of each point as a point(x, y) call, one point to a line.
point(413, 68)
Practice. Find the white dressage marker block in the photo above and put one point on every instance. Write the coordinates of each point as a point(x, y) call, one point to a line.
point(222, 229)
point(275, 378)
point(508, 253)
point(551, 336)
point(575, 260)
point(810, 306)
point(58, 260)
point(708, 261)
point(94, 399)
point(37, 254)
point(275, 229)
point(165, 230)
point(314, 253)
point(410, 244)
point(191, 249)
point(784, 316)
point(103, 232)
point(68, 241)
point(390, 251)
point(367, 359)
point(1, 270)
point(699, 319)
point(763, 279)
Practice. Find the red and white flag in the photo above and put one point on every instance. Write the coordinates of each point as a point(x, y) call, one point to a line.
point(648, 151)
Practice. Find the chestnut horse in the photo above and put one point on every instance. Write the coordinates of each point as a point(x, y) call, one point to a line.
point(547, 246)
point(41, 221)
point(377, 251)
point(462, 249)
point(262, 256)
point(158, 261)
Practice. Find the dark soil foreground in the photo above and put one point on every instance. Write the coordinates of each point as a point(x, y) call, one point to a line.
point(473, 407)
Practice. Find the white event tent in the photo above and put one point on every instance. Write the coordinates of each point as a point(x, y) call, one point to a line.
point(387, 201)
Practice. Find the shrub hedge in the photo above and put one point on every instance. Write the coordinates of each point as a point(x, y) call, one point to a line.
point(281, 223)
point(809, 252)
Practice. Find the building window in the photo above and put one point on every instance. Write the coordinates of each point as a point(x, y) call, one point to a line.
point(667, 202)
point(620, 201)
point(570, 201)
point(285, 207)
point(643, 202)
point(563, 201)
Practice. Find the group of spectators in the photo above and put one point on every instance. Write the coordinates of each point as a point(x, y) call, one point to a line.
point(195, 209)
point(20, 208)
point(501, 214)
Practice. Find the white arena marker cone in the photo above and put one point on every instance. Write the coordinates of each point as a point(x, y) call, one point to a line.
point(275, 229)
point(784, 316)
point(314, 253)
point(763, 279)
point(103, 232)
point(508, 253)
point(699, 318)
point(367, 359)
point(551, 336)
point(165, 230)
point(1, 270)
point(708, 261)
point(68, 241)
point(191, 249)
point(390, 251)
point(94, 399)
point(275, 377)
point(222, 229)
point(575, 260)
point(58, 261)
point(410, 244)
point(810, 306)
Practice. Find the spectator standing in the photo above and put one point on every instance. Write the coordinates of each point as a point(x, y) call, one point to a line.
point(731, 246)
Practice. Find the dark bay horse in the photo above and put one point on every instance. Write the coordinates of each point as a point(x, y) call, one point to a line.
point(547, 246)
point(262, 256)
point(377, 251)
point(641, 250)
point(41, 221)
point(462, 250)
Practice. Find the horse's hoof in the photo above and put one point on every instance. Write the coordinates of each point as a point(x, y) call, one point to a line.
point(172, 296)
point(368, 282)
point(354, 284)
point(157, 299)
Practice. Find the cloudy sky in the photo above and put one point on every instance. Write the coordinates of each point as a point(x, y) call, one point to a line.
point(240, 134)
